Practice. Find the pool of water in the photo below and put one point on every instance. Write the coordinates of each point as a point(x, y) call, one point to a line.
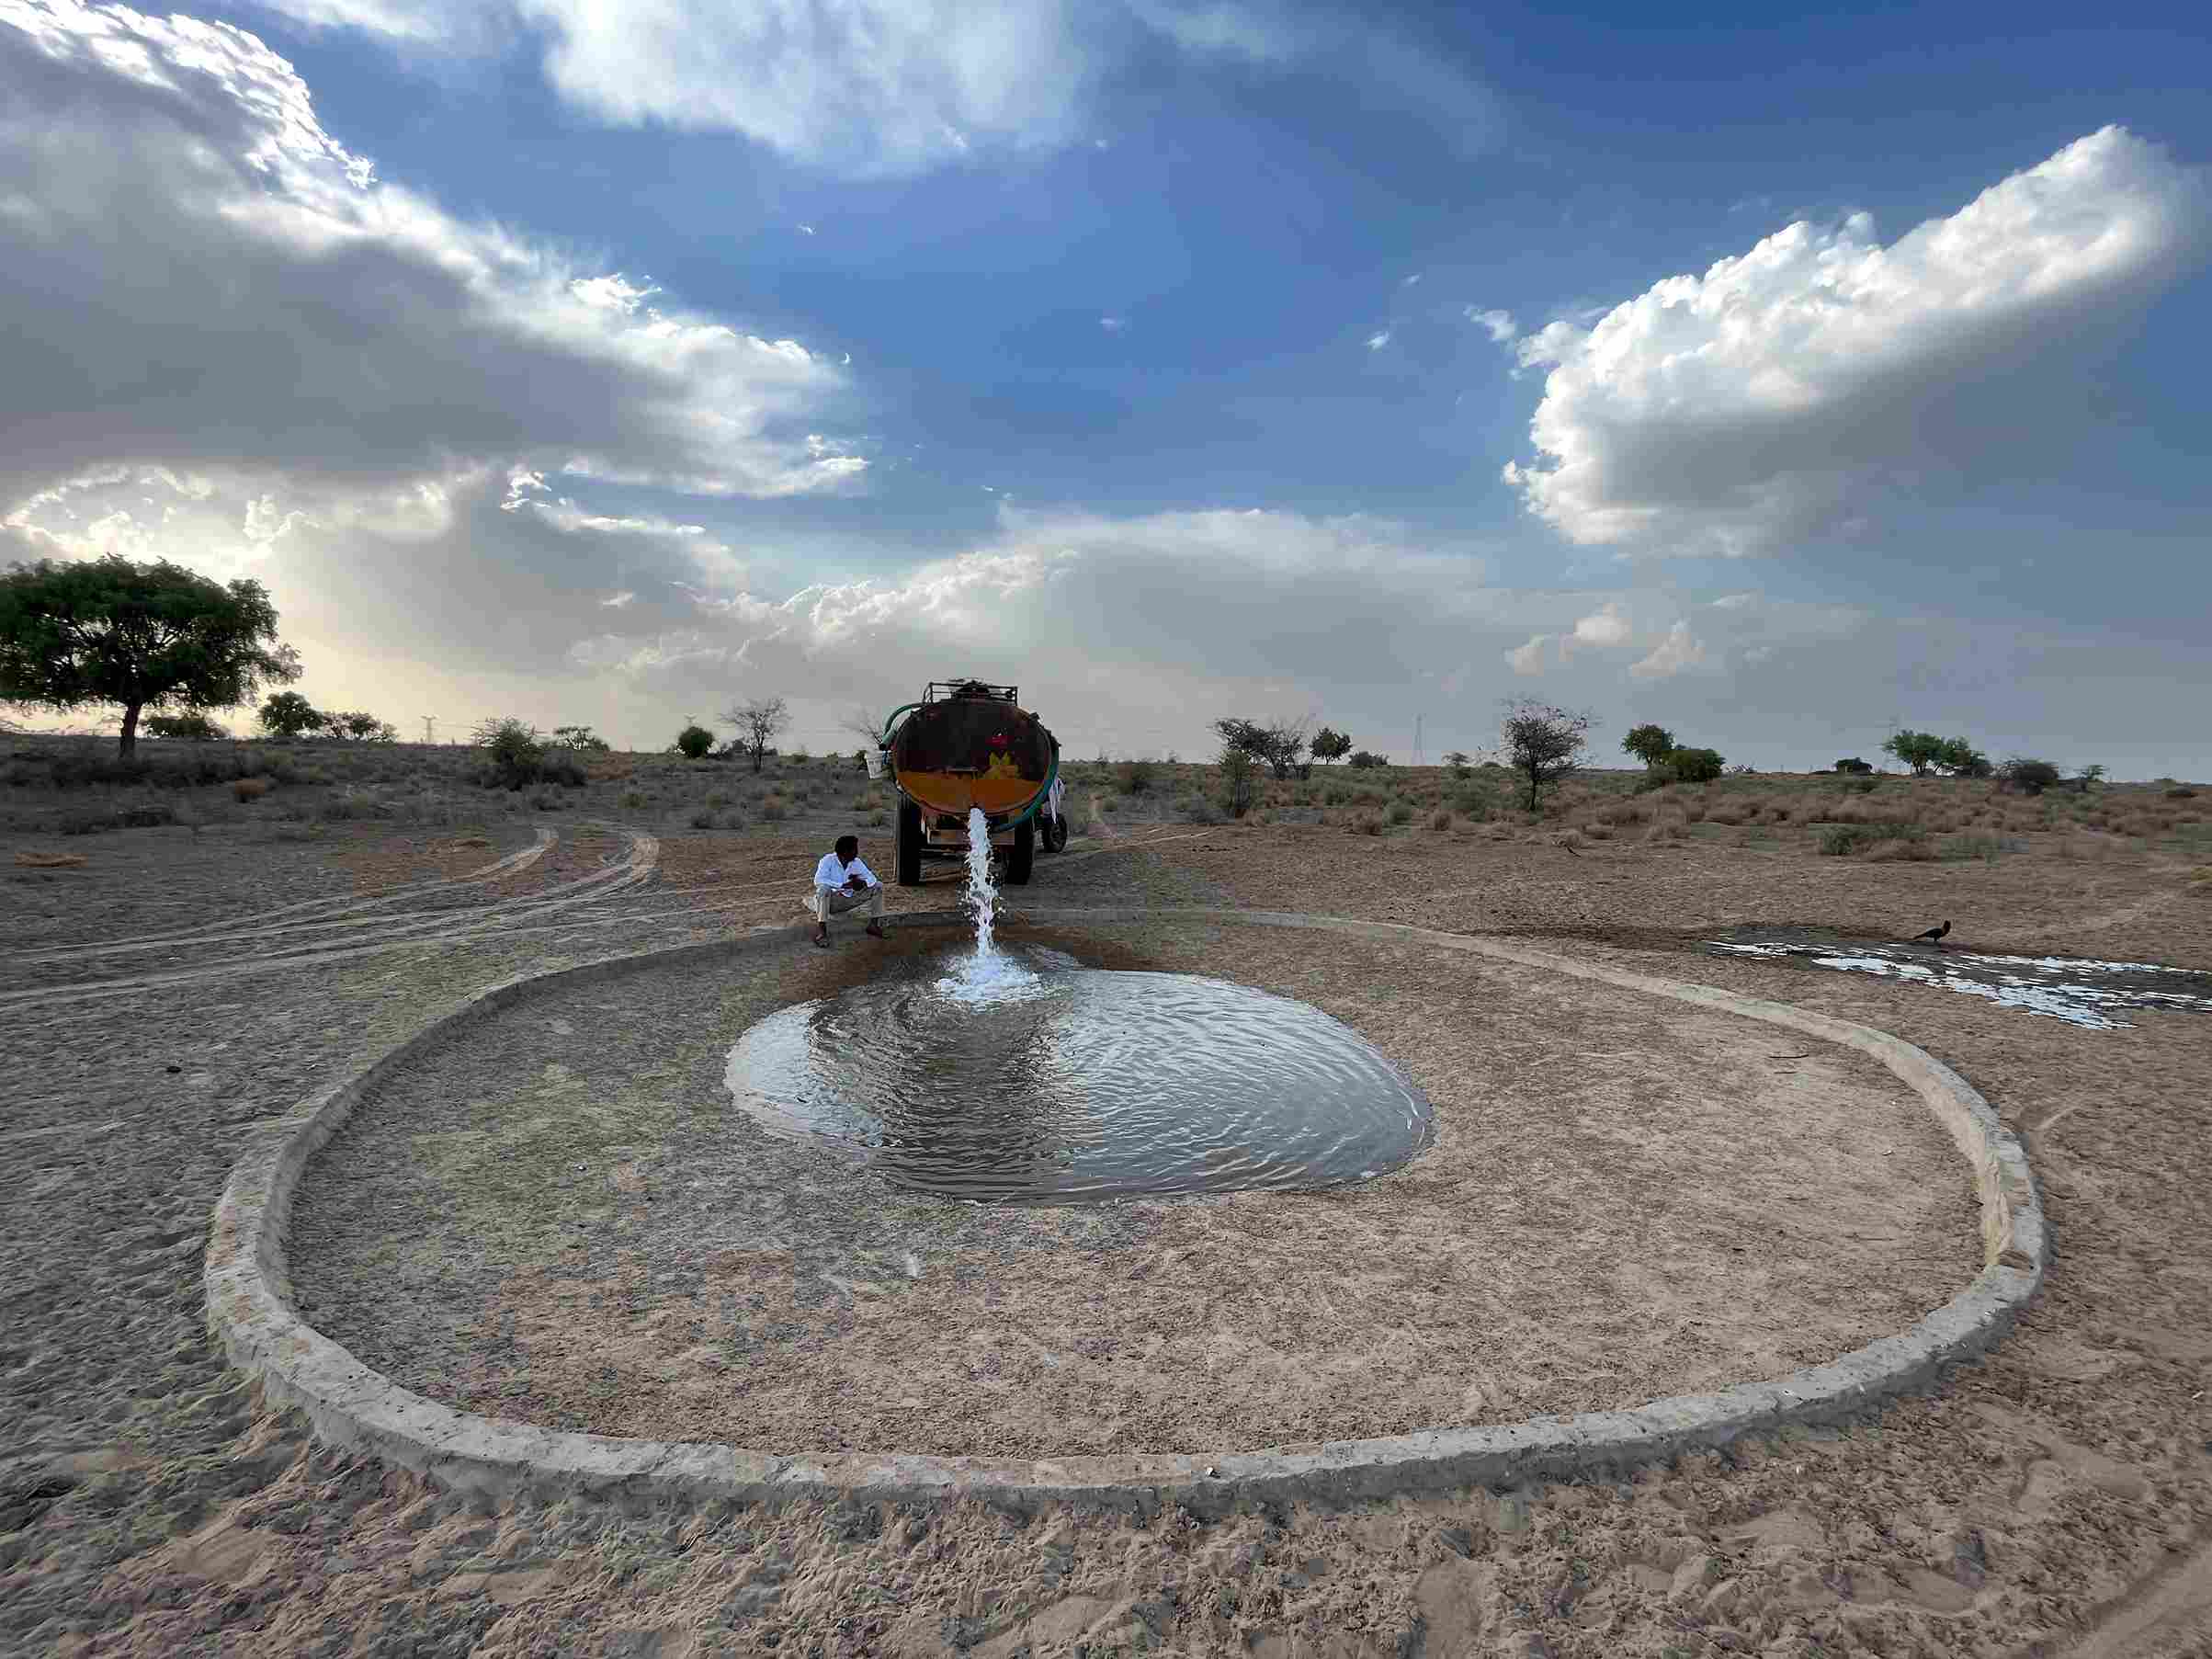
point(2079, 990)
point(1019, 1076)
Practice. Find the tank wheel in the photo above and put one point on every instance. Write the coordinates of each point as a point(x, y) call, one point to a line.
point(1021, 857)
point(909, 845)
point(1056, 834)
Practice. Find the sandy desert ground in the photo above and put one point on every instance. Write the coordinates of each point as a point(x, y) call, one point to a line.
point(188, 983)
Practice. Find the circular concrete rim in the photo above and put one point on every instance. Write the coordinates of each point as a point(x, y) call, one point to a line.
point(251, 1311)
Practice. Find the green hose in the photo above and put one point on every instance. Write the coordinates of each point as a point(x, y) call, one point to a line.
point(901, 709)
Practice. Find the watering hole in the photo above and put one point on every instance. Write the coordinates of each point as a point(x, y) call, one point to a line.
point(1022, 1076)
point(2079, 990)
point(557, 1214)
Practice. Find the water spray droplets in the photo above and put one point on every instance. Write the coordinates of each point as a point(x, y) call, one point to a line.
point(989, 974)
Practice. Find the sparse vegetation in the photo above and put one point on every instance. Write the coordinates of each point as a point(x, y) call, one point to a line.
point(759, 722)
point(1330, 744)
point(1544, 744)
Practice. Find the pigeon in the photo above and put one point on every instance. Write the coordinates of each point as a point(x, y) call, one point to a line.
point(1933, 936)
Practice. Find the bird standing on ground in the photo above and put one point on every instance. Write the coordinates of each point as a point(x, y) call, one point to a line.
point(1933, 936)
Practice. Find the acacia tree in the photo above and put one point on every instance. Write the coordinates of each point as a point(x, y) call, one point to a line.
point(1922, 751)
point(1541, 743)
point(1278, 745)
point(1649, 744)
point(136, 636)
point(288, 714)
point(1330, 744)
point(758, 722)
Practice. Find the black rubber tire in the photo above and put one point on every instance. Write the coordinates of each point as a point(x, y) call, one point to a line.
point(1056, 834)
point(1021, 857)
point(909, 845)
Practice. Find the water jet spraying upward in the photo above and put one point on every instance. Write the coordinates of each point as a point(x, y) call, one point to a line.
point(989, 974)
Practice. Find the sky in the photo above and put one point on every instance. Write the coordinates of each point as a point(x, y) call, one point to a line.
point(1779, 380)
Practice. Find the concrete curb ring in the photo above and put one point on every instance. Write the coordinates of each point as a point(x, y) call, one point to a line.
point(252, 1313)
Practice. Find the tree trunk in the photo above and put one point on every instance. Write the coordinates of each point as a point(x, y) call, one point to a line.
point(129, 744)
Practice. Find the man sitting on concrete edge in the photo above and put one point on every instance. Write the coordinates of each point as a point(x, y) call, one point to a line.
point(841, 883)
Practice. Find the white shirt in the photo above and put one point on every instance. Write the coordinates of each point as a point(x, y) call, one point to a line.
point(1053, 799)
point(831, 873)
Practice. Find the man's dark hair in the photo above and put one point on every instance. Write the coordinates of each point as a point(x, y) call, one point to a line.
point(847, 848)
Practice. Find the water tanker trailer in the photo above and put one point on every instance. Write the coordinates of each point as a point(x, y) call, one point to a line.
point(968, 745)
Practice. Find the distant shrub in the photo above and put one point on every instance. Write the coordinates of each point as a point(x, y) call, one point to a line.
point(512, 752)
point(581, 738)
point(1695, 765)
point(1367, 824)
point(773, 811)
point(1401, 811)
point(2180, 795)
point(1988, 849)
point(247, 789)
point(1133, 777)
point(702, 820)
point(2028, 775)
point(1853, 763)
point(191, 725)
point(563, 767)
point(693, 741)
point(1441, 819)
point(1199, 809)
point(1842, 840)
point(1366, 760)
point(632, 800)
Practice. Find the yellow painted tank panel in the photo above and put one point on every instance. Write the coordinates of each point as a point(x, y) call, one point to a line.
point(955, 792)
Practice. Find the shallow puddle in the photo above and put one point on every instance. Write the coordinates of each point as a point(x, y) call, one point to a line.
point(2079, 990)
point(1027, 1078)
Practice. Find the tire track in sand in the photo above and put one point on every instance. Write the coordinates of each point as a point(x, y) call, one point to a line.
point(333, 910)
point(265, 954)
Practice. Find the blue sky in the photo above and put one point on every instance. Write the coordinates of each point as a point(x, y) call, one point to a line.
point(617, 363)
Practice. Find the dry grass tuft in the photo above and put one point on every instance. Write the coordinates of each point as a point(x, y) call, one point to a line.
point(250, 789)
point(50, 861)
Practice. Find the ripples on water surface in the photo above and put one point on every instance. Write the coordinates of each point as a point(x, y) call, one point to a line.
point(1027, 1078)
point(2076, 989)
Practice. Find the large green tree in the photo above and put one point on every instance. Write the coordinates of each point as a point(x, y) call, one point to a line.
point(135, 636)
point(1649, 744)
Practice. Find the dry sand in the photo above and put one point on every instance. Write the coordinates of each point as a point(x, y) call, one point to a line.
point(2054, 1499)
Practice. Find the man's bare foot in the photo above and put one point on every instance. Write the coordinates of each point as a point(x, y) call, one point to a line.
point(875, 931)
point(821, 937)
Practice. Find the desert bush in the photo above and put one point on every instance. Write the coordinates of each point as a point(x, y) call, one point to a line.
point(1695, 765)
point(1240, 768)
point(561, 765)
point(342, 805)
point(1852, 763)
point(702, 820)
point(1401, 811)
point(1367, 824)
point(2028, 775)
point(1842, 840)
point(716, 798)
point(1366, 760)
point(1199, 809)
point(1441, 819)
point(247, 789)
point(2181, 793)
point(694, 741)
point(512, 752)
point(633, 800)
point(1133, 777)
point(1988, 849)
point(1650, 744)
point(773, 811)
point(191, 725)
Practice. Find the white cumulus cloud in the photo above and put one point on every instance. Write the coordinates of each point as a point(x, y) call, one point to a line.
point(337, 330)
point(1793, 387)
